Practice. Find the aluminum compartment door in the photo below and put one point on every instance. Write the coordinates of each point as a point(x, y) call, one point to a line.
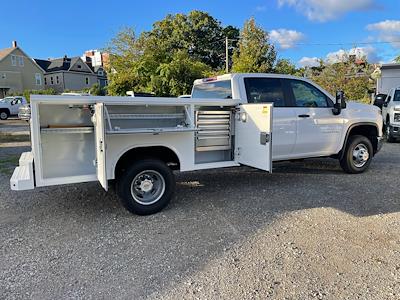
point(100, 144)
point(253, 136)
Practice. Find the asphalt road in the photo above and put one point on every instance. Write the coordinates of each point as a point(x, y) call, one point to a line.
point(307, 231)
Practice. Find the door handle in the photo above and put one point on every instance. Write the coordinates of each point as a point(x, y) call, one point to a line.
point(303, 116)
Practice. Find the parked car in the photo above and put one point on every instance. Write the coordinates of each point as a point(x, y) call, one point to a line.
point(380, 100)
point(391, 115)
point(9, 106)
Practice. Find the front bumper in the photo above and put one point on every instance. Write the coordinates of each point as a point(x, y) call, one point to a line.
point(395, 130)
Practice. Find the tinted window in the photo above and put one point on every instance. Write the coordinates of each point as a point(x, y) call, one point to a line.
point(214, 89)
point(306, 95)
point(396, 96)
point(262, 90)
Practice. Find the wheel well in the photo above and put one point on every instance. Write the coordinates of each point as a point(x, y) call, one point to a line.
point(162, 153)
point(5, 109)
point(368, 130)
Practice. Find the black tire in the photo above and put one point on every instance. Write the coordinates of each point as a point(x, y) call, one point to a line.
point(389, 133)
point(4, 114)
point(349, 162)
point(148, 171)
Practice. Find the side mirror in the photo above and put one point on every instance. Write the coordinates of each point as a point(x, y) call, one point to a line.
point(340, 103)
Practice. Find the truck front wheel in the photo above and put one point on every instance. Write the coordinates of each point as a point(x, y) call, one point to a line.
point(389, 133)
point(357, 155)
point(146, 186)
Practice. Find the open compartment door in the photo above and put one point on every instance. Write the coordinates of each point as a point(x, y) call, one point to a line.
point(99, 130)
point(253, 135)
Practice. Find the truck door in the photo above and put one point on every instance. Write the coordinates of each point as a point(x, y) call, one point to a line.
point(253, 136)
point(98, 120)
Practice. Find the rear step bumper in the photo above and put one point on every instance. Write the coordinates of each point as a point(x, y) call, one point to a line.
point(22, 178)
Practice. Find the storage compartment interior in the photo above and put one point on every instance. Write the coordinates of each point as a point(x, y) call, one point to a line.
point(214, 138)
point(67, 140)
point(146, 118)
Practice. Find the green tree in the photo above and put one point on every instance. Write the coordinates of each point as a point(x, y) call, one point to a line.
point(354, 79)
point(138, 63)
point(97, 90)
point(397, 59)
point(176, 77)
point(255, 54)
point(285, 66)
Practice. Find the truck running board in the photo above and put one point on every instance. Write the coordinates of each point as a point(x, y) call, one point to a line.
point(22, 178)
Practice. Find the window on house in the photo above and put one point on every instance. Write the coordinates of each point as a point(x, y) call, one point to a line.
point(13, 60)
point(87, 80)
point(57, 80)
point(101, 73)
point(3, 76)
point(38, 79)
point(51, 80)
point(45, 81)
point(21, 61)
point(79, 66)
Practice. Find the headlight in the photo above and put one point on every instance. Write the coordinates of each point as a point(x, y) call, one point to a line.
point(396, 108)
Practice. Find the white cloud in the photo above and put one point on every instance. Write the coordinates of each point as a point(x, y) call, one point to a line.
point(342, 55)
point(286, 38)
point(325, 10)
point(388, 31)
point(360, 52)
point(309, 62)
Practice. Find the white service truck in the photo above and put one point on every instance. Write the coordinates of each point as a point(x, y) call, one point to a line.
point(231, 120)
point(391, 114)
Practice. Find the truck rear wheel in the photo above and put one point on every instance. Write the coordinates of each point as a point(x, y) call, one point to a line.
point(357, 155)
point(146, 186)
point(4, 115)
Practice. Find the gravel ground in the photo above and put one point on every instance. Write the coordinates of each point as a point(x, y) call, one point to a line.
point(308, 231)
point(14, 125)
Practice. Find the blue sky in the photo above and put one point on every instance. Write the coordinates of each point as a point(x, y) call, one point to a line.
point(302, 29)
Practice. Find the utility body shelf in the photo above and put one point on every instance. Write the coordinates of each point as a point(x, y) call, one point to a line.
point(86, 129)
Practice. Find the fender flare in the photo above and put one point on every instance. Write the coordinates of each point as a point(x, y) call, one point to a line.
point(351, 127)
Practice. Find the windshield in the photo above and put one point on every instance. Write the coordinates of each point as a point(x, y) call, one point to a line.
point(216, 89)
point(396, 96)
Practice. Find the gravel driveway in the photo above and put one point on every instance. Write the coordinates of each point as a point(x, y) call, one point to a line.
point(308, 231)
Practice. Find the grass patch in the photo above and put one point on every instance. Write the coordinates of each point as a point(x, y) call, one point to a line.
point(12, 138)
point(8, 164)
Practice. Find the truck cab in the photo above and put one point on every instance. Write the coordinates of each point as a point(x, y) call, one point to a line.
point(306, 122)
point(391, 115)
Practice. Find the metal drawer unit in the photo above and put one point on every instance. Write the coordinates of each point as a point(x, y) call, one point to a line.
point(214, 130)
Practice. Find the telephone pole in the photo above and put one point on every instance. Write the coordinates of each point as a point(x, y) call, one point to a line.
point(227, 55)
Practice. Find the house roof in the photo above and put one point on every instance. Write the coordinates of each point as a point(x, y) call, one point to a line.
point(391, 66)
point(58, 64)
point(5, 52)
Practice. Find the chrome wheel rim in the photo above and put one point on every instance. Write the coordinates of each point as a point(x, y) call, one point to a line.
point(360, 155)
point(147, 187)
point(3, 115)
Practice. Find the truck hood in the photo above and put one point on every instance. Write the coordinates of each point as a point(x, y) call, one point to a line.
point(357, 106)
point(3, 104)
